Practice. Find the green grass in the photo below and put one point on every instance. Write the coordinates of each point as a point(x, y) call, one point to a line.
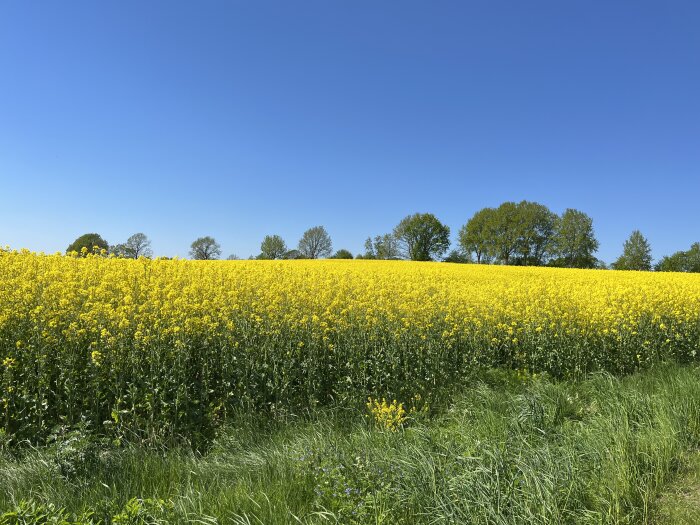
point(679, 504)
point(506, 451)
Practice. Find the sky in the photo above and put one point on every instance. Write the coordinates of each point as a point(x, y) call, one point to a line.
point(238, 119)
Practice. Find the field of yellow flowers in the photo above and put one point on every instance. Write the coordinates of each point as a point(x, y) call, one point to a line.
point(168, 348)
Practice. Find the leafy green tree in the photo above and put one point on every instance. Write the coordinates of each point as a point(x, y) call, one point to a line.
point(233, 257)
point(692, 259)
point(272, 247)
point(205, 248)
point(514, 233)
point(293, 254)
point(88, 241)
point(422, 237)
point(382, 247)
point(475, 236)
point(504, 232)
point(138, 245)
point(315, 243)
point(636, 254)
point(535, 226)
point(342, 254)
point(688, 261)
point(574, 241)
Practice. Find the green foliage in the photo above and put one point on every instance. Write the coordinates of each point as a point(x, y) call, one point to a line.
point(507, 447)
point(315, 243)
point(145, 512)
point(135, 512)
point(272, 247)
point(636, 254)
point(514, 233)
point(75, 451)
point(86, 244)
point(205, 248)
point(138, 245)
point(383, 247)
point(476, 236)
point(342, 254)
point(574, 241)
point(504, 232)
point(536, 225)
point(688, 261)
point(458, 256)
point(422, 237)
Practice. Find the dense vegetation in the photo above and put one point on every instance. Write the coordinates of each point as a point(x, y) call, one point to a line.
point(508, 449)
point(169, 391)
point(166, 350)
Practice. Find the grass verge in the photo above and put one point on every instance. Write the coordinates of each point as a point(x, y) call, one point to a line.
point(508, 450)
point(679, 503)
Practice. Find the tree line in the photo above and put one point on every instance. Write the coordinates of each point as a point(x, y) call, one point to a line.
point(515, 233)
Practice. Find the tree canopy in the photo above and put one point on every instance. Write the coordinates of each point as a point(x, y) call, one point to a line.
point(476, 236)
point(682, 261)
point(205, 248)
point(422, 237)
point(574, 242)
point(87, 243)
point(315, 243)
point(382, 247)
point(636, 254)
point(272, 247)
point(523, 233)
point(138, 245)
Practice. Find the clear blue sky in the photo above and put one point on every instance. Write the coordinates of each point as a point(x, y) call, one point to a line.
point(240, 118)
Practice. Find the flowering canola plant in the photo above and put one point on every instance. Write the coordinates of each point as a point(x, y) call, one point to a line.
point(170, 347)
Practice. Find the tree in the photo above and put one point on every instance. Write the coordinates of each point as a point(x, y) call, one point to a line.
point(475, 236)
point(422, 237)
point(692, 258)
point(272, 247)
point(574, 241)
point(636, 254)
point(342, 254)
point(382, 247)
point(293, 254)
point(535, 227)
point(315, 243)
point(233, 257)
point(688, 261)
point(504, 232)
point(205, 248)
point(138, 245)
point(88, 241)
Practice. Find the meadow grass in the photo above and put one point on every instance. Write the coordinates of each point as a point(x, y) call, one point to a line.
point(508, 449)
point(679, 504)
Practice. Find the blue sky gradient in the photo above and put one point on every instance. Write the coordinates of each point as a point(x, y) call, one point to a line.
point(242, 118)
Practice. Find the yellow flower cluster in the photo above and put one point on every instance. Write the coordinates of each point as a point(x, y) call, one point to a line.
point(170, 341)
point(388, 416)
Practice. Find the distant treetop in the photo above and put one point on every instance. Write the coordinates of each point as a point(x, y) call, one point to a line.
point(86, 243)
point(205, 248)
